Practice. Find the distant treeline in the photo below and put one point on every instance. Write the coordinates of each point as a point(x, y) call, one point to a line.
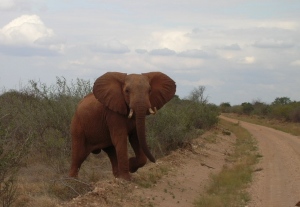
point(282, 108)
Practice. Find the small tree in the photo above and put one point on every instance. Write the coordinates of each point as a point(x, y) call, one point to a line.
point(247, 108)
point(225, 107)
point(260, 108)
point(197, 95)
point(281, 101)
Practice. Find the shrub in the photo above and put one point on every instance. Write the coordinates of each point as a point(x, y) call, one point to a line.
point(35, 120)
point(281, 111)
point(177, 123)
point(238, 109)
point(12, 152)
point(225, 107)
point(260, 108)
point(294, 115)
point(247, 108)
point(51, 117)
point(281, 101)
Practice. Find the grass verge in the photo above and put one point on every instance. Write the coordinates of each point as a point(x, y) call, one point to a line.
point(147, 180)
point(228, 188)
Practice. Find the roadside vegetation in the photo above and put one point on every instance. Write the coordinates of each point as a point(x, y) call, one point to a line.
point(35, 140)
point(228, 188)
point(282, 114)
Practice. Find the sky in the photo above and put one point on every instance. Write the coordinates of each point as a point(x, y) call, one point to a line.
point(240, 50)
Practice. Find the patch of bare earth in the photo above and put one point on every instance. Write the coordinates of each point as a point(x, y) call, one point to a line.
point(185, 174)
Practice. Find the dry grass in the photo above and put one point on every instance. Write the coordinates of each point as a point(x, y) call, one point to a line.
point(150, 178)
point(40, 183)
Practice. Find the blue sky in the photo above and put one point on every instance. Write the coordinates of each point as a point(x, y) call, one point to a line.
point(240, 50)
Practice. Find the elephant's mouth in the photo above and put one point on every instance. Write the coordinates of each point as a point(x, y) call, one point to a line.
point(151, 111)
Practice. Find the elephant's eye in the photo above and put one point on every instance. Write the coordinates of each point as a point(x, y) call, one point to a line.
point(127, 90)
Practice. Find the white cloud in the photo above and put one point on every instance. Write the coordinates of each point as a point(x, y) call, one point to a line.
point(202, 82)
point(195, 53)
point(247, 60)
point(231, 47)
point(288, 25)
point(162, 52)
point(141, 51)
point(112, 46)
point(272, 43)
point(28, 31)
point(295, 63)
point(175, 39)
point(187, 71)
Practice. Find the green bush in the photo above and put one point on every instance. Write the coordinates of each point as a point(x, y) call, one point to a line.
point(177, 123)
point(247, 108)
point(294, 115)
point(284, 109)
point(261, 109)
point(281, 108)
point(225, 107)
point(35, 121)
point(45, 112)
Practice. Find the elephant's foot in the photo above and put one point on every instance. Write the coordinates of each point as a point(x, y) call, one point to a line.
point(74, 172)
point(125, 176)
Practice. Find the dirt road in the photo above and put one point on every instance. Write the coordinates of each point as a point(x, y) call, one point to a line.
point(278, 183)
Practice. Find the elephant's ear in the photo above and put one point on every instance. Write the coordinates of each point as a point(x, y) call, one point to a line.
point(108, 90)
point(163, 88)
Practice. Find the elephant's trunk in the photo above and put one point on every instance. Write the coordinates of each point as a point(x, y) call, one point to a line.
point(141, 133)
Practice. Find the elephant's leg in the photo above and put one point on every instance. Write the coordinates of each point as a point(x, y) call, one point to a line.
point(111, 152)
point(122, 157)
point(79, 153)
point(140, 158)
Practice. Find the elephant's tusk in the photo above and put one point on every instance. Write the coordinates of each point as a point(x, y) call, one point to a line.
point(130, 114)
point(153, 112)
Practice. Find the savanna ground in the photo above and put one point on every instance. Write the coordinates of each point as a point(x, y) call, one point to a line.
point(193, 176)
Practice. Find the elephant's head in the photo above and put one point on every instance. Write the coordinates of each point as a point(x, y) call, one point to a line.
point(135, 95)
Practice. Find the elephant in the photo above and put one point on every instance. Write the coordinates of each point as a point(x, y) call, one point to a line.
point(114, 113)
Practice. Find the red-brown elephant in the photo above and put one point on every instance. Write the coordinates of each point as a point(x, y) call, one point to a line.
point(114, 113)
